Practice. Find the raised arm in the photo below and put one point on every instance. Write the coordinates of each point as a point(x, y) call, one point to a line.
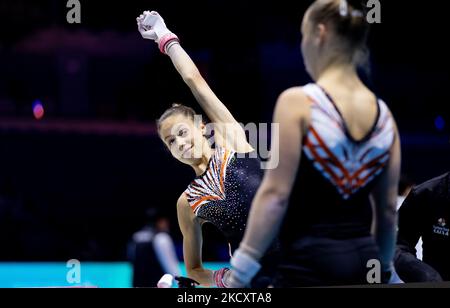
point(228, 132)
point(210, 103)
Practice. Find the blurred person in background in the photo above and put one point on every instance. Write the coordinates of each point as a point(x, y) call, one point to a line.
point(425, 214)
point(152, 251)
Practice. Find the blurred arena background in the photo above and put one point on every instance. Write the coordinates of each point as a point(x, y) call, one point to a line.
point(80, 159)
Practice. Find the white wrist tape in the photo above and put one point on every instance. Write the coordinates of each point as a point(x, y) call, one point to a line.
point(244, 266)
point(170, 44)
point(166, 281)
point(164, 41)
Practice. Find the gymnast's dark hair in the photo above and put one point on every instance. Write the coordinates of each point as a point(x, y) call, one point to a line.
point(349, 24)
point(175, 110)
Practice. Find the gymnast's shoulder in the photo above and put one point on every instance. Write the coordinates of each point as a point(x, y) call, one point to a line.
point(183, 201)
point(294, 99)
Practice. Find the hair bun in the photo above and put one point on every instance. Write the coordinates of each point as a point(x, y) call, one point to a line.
point(175, 105)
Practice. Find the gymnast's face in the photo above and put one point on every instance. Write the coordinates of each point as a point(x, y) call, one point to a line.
point(183, 138)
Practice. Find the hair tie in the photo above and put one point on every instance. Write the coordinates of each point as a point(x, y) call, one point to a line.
point(343, 8)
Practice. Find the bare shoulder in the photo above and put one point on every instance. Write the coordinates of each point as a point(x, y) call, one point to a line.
point(184, 211)
point(186, 217)
point(294, 92)
point(182, 202)
point(293, 100)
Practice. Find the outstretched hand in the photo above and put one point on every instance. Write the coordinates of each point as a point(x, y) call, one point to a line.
point(152, 27)
point(146, 29)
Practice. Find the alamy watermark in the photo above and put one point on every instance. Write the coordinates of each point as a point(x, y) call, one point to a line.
point(74, 14)
point(377, 274)
point(374, 13)
point(232, 135)
point(374, 273)
point(74, 273)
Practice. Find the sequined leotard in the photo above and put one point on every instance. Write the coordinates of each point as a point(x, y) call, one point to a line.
point(222, 195)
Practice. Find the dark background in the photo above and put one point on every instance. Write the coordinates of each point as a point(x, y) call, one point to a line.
point(77, 183)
